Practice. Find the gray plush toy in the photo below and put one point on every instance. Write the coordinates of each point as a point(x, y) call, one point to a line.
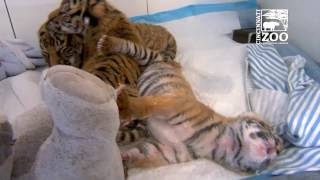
point(86, 120)
point(6, 150)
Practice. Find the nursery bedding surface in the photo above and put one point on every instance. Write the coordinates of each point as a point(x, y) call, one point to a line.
point(214, 66)
point(211, 62)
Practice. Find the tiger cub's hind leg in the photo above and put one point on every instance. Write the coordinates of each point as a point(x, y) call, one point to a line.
point(147, 154)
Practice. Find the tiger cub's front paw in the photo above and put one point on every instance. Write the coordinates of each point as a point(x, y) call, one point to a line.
point(107, 44)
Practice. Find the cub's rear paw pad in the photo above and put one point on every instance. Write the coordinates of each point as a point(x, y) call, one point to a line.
point(107, 44)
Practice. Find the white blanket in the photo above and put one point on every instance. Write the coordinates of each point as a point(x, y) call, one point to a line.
point(212, 62)
point(20, 92)
point(214, 66)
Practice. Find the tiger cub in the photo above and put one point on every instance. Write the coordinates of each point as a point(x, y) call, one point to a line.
point(182, 128)
point(70, 34)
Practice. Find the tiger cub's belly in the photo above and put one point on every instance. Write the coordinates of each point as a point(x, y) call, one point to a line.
point(166, 133)
point(172, 138)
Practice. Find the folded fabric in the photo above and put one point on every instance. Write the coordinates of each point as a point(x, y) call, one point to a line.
point(268, 70)
point(295, 113)
point(33, 54)
point(312, 67)
point(304, 106)
point(2, 71)
point(295, 159)
point(17, 56)
point(272, 106)
point(11, 60)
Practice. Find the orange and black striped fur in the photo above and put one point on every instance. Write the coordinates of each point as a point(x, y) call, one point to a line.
point(181, 127)
point(70, 35)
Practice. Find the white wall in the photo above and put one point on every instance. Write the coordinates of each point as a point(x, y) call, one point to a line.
point(304, 23)
point(5, 28)
point(28, 15)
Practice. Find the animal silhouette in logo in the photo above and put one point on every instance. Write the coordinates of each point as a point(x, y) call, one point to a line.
point(270, 25)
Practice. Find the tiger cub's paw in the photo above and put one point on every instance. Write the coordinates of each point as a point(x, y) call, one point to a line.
point(107, 44)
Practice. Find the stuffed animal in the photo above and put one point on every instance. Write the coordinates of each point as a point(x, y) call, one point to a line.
point(81, 143)
point(6, 150)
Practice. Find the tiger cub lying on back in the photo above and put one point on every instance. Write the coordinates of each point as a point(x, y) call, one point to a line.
point(182, 128)
point(70, 35)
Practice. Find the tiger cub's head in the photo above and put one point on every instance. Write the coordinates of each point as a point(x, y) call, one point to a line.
point(69, 18)
point(257, 143)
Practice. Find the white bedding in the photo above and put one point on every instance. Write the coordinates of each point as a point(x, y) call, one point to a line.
point(212, 63)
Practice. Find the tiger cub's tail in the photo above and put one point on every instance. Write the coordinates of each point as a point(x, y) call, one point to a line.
point(133, 132)
point(143, 55)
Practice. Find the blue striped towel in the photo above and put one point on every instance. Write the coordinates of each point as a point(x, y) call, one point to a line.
point(268, 70)
point(295, 159)
point(304, 105)
point(302, 124)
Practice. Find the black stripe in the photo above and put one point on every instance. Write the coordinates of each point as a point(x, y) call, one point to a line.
point(213, 154)
point(135, 50)
point(127, 65)
point(203, 120)
point(150, 74)
point(239, 161)
point(113, 63)
point(185, 120)
point(160, 150)
point(241, 130)
point(152, 55)
point(181, 113)
point(192, 152)
point(128, 73)
point(133, 65)
point(176, 155)
point(132, 136)
point(144, 57)
point(105, 78)
point(173, 85)
point(201, 132)
point(123, 135)
point(224, 155)
point(239, 147)
point(109, 75)
point(221, 133)
point(156, 78)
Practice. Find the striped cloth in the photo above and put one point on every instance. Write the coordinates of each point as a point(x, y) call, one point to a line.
point(304, 105)
point(272, 106)
point(294, 159)
point(268, 70)
point(302, 122)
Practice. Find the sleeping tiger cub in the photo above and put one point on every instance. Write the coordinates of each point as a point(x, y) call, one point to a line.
point(182, 128)
point(70, 34)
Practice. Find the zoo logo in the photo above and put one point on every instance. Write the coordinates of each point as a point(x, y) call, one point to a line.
point(272, 26)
